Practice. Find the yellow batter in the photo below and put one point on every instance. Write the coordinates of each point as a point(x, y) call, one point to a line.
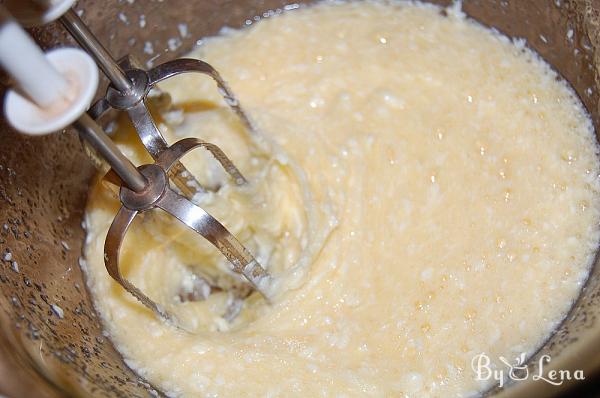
point(423, 190)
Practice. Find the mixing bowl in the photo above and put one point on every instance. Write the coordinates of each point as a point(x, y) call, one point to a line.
point(51, 342)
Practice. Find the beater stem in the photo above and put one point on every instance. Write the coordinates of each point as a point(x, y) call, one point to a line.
point(104, 59)
point(93, 134)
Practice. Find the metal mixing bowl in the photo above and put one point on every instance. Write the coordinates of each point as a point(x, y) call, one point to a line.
point(44, 182)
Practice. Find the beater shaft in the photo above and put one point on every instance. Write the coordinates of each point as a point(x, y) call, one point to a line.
point(90, 131)
point(90, 43)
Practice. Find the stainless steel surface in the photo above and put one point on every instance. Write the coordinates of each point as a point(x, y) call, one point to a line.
point(158, 194)
point(187, 65)
point(88, 41)
point(123, 100)
point(90, 131)
point(155, 144)
point(46, 356)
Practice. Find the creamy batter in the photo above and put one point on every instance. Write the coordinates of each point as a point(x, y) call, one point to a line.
point(422, 189)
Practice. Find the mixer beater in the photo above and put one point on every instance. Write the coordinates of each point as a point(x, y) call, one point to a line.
point(49, 105)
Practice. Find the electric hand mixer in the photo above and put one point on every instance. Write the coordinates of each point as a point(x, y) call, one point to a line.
point(55, 91)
